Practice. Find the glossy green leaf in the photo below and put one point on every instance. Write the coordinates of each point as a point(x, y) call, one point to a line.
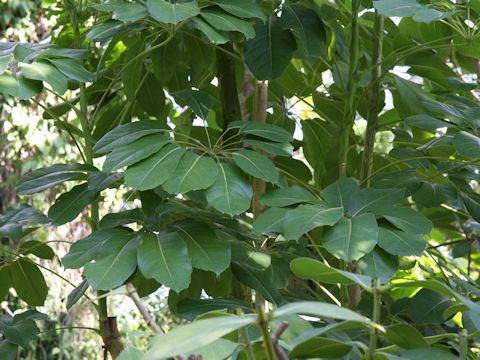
point(405, 336)
point(155, 170)
point(165, 258)
point(131, 353)
point(199, 101)
point(192, 308)
point(37, 248)
point(426, 353)
point(85, 250)
point(125, 134)
point(99, 181)
point(128, 12)
point(408, 220)
point(379, 264)
point(319, 309)
point(5, 62)
point(256, 164)
point(352, 238)
point(172, 12)
point(8, 351)
point(18, 86)
point(115, 262)
point(70, 204)
point(307, 28)
point(21, 332)
point(225, 22)
point(190, 337)
point(77, 293)
point(271, 220)
point(287, 196)
point(231, 193)
point(46, 72)
point(401, 243)
point(105, 30)
point(279, 149)
point(73, 69)
point(134, 152)
point(270, 51)
point(242, 8)
point(45, 178)
point(28, 282)
point(260, 280)
point(215, 36)
point(467, 144)
point(266, 131)
point(193, 172)
point(427, 122)
point(320, 347)
point(312, 269)
point(308, 217)
point(427, 307)
point(121, 218)
point(206, 250)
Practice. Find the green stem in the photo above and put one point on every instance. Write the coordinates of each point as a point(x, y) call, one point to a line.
point(349, 110)
point(377, 304)
point(374, 102)
point(267, 339)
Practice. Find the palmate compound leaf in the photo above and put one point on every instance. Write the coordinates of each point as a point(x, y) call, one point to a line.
point(165, 258)
point(351, 238)
point(206, 250)
point(231, 193)
point(125, 134)
point(186, 339)
point(114, 263)
point(45, 178)
point(193, 172)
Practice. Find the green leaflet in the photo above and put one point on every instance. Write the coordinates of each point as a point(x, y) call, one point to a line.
point(231, 193)
point(155, 170)
point(134, 152)
point(28, 282)
point(45, 72)
point(189, 338)
point(125, 134)
point(256, 164)
point(352, 238)
point(172, 13)
point(193, 172)
point(165, 258)
point(308, 217)
point(270, 51)
point(206, 250)
point(115, 262)
point(70, 204)
point(45, 178)
point(85, 250)
point(223, 21)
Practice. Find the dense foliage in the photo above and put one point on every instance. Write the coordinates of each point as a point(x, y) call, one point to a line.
point(275, 159)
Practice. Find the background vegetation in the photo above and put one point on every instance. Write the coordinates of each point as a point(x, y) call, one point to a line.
point(239, 179)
